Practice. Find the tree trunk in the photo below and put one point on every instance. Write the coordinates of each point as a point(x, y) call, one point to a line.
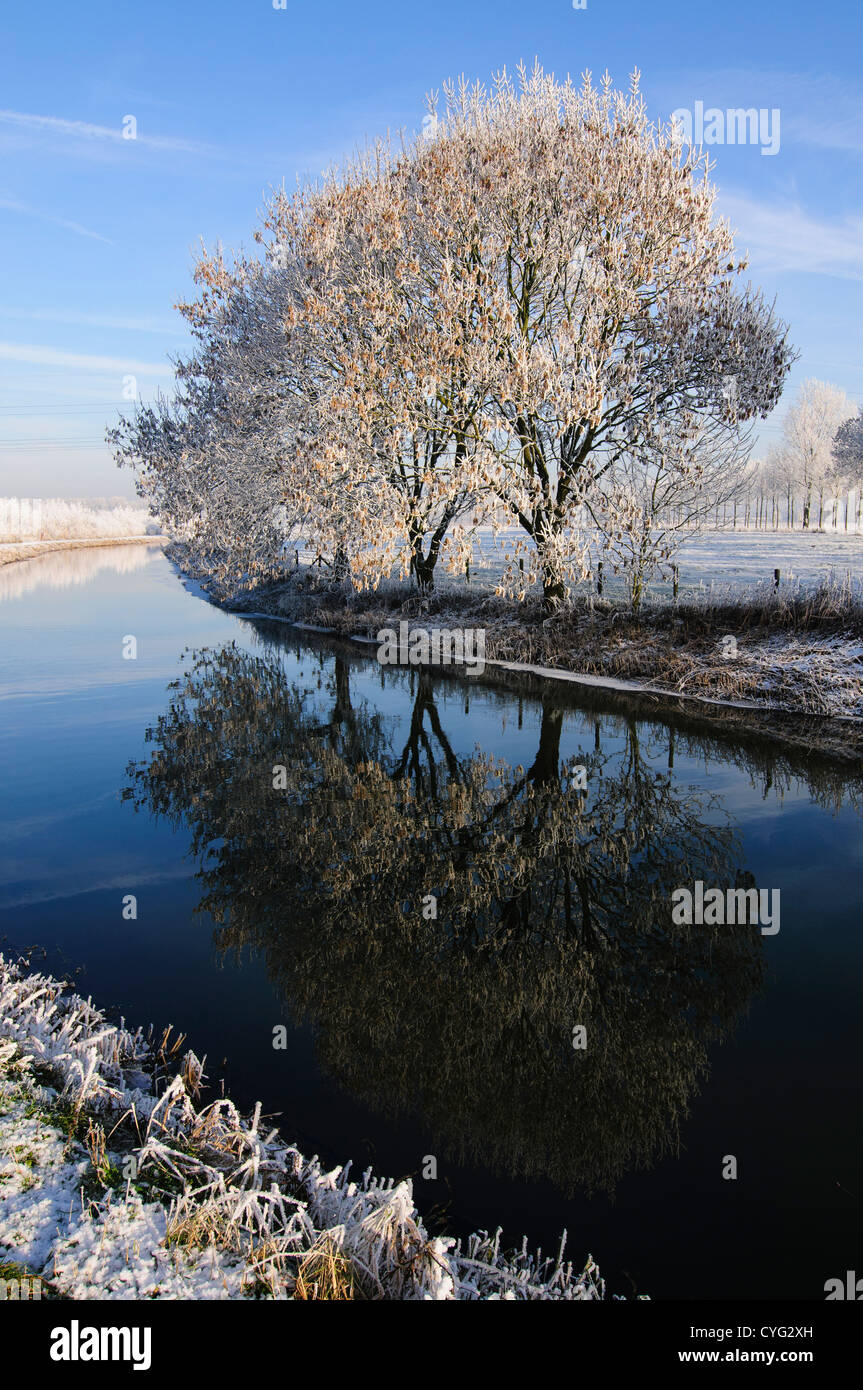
point(422, 569)
point(636, 591)
point(553, 591)
point(423, 566)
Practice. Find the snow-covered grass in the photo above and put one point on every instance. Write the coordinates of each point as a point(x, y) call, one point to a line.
point(114, 1183)
point(57, 518)
point(745, 560)
point(796, 648)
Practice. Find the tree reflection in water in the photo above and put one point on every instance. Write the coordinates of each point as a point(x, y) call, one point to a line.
point(553, 909)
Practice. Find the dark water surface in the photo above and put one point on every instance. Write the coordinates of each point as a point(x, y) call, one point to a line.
point(306, 904)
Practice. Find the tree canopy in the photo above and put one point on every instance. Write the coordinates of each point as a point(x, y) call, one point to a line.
point(503, 324)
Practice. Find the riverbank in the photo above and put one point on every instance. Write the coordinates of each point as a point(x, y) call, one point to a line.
point(115, 1183)
point(12, 551)
point(790, 660)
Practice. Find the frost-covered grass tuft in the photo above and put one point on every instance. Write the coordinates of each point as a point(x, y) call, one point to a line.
point(115, 1184)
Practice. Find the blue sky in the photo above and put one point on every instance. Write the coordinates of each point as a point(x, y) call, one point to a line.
point(97, 232)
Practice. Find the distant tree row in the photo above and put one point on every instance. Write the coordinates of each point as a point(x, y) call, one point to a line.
point(818, 462)
point(812, 479)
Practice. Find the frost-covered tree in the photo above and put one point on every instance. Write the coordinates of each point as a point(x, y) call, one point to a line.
point(381, 378)
point(486, 323)
point(212, 459)
point(808, 431)
point(647, 506)
point(847, 449)
point(588, 295)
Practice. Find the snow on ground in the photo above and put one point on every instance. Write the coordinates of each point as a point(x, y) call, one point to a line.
point(828, 666)
point(744, 558)
point(121, 1251)
point(39, 1181)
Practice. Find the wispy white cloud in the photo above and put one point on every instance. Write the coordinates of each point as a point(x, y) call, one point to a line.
point(785, 237)
point(85, 130)
point(15, 205)
point(53, 357)
point(129, 323)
